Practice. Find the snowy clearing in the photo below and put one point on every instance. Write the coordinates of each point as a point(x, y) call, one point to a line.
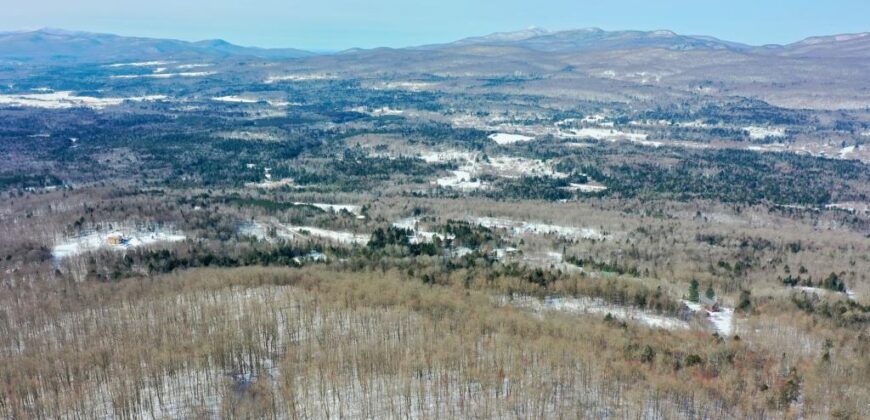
point(66, 99)
point(192, 66)
point(460, 180)
point(410, 86)
point(269, 231)
point(378, 112)
point(299, 77)
point(419, 236)
point(246, 100)
point(164, 75)
point(597, 307)
point(518, 228)
point(337, 236)
point(586, 188)
point(235, 99)
point(446, 156)
point(116, 240)
point(761, 133)
point(848, 150)
point(141, 64)
point(269, 184)
point(471, 167)
point(505, 138)
point(607, 134)
point(336, 208)
point(722, 320)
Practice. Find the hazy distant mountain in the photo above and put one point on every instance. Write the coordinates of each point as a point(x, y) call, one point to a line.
point(598, 40)
point(594, 39)
point(844, 45)
point(54, 45)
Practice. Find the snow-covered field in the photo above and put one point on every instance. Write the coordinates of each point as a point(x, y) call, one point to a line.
point(303, 77)
point(235, 99)
point(192, 66)
point(505, 138)
point(96, 240)
point(164, 75)
point(260, 230)
point(539, 259)
point(67, 99)
point(586, 188)
point(515, 167)
point(409, 86)
point(336, 208)
point(761, 133)
point(247, 100)
point(461, 180)
point(471, 167)
point(722, 320)
point(846, 151)
point(851, 207)
point(447, 156)
point(518, 228)
point(607, 134)
point(141, 64)
point(378, 112)
point(248, 135)
point(419, 236)
point(269, 184)
point(347, 238)
point(597, 307)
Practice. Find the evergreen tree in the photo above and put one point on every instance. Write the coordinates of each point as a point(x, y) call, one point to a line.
point(710, 293)
point(693, 291)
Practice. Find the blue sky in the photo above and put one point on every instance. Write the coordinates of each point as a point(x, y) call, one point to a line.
point(340, 24)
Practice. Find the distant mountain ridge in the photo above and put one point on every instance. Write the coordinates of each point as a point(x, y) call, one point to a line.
point(62, 46)
point(58, 45)
point(597, 40)
point(594, 39)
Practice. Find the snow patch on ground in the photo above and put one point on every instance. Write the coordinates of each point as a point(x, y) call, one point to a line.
point(141, 64)
point(461, 180)
point(192, 66)
point(96, 240)
point(586, 188)
point(336, 208)
point(303, 77)
point(378, 112)
point(270, 184)
point(66, 99)
point(518, 228)
point(269, 231)
point(164, 75)
point(847, 151)
point(235, 99)
point(247, 100)
point(607, 134)
point(347, 238)
point(419, 236)
point(505, 138)
point(465, 178)
point(761, 133)
point(409, 86)
point(722, 320)
point(598, 307)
